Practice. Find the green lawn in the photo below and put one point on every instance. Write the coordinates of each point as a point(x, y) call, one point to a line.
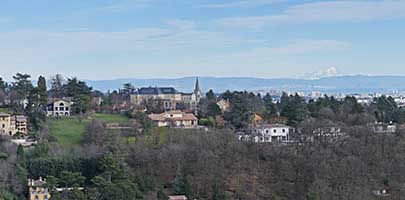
point(5, 110)
point(68, 131)
point(111, 118)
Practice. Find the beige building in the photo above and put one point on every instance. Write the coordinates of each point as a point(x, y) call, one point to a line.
point(38, 190)
point(178, 197)
point(224, 105)
point(59, 107)
point(169, 96)
point(12, 124)
point(174, 118)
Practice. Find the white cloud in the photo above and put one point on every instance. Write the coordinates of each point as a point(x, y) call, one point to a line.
point(180, 24)
point(323, 12)
point(124, 6)
point(41, 51)
point(143, 52)
point(295, 47)
point(241, 3)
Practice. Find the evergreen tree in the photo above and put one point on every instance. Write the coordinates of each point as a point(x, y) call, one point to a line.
point(81, 94)
point(42, 92)
point(210, 95)
point(294, 108)
point(57, 82)
point(3, 85)
point(270, 107)
point(22, 85)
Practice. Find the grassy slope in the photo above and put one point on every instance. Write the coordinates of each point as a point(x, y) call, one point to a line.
point(110, 118)
point(68, 131)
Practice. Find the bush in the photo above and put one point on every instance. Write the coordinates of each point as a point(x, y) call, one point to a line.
point(3, 156)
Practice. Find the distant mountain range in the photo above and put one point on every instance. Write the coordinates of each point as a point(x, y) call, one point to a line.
point(336, 84)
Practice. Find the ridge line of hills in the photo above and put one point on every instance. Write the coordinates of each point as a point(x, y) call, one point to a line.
point(335, 84)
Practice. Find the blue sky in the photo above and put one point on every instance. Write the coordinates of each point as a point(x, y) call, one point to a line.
point(174, 38)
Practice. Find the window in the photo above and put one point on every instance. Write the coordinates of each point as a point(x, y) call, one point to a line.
point(56, 108)
point(62, 108)
point(283, 130)
point(267, 130)
point(36, 197)
point(3, 125)
point(46, 197)
point(67, 109)
point(274, 130)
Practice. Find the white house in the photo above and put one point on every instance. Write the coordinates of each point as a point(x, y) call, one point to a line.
point(379, 127)
point(267, 133)
point(59, 107)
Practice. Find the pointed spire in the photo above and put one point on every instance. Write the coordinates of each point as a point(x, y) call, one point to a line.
point(197, 86)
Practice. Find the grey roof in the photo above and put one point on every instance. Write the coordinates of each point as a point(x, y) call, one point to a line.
point(157, 90)
point(2, 114)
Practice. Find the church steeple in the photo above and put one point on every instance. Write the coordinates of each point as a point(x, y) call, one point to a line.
point(197, 87)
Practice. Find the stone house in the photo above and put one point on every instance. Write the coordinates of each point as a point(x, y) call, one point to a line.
point(175, 118)
point(59, 107)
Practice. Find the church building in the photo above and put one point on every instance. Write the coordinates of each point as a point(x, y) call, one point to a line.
point(170, 97)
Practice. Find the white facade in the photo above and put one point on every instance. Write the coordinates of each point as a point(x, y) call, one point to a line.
point(59, 108)
point(175, 118)
point(268, 133)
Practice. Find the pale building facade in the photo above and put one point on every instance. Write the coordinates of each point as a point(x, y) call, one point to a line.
point(267, 133)
point(178, 197)
point(174, 118)
point(12, 124)
point(224, 105)
point(59, 108)
point(38, 190)
point(169, 96)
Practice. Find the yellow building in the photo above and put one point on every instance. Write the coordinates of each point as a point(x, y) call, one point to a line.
point(38, 190)
point(224, 105)
point(12, 124)
point(21, 123)
point(5, 124)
